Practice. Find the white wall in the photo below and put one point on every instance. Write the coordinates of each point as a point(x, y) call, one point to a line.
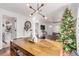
point(77, 31)
point(0, 33)
point(20, 23)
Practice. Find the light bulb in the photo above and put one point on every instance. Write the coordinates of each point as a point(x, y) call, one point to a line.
point(50, 26)
point(28, 4)
point(45, 17)
point(30, 15)
point(37, 11)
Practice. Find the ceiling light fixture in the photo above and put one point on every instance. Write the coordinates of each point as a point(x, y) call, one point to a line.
point(37, 10)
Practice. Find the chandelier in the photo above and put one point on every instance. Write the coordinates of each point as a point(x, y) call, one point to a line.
point(38, 10)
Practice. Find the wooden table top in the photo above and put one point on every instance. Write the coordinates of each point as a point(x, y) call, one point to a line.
point(45, 47)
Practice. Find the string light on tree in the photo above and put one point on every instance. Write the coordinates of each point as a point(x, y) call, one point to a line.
point(68, 33)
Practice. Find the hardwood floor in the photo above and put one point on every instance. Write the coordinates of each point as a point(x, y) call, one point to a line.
point(5, 52)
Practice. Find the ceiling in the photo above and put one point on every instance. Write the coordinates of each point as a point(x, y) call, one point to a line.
point(25, 10)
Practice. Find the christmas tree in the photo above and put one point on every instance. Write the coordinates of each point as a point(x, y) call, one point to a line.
point(68, 32)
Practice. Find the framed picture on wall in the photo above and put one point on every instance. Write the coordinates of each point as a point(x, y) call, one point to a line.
point(42, 27)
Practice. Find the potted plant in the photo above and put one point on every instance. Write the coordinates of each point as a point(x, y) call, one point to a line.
point(68, 33)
